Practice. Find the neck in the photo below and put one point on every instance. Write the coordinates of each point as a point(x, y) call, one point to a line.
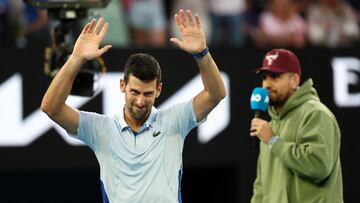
point(280, 105)
point(279, 108)
point(135, 124)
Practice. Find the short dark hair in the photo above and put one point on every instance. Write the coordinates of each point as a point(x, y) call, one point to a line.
point(143, 66)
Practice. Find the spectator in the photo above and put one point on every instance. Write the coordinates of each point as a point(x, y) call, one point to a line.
point(332, 23)
point(280, 25)
point(356, 5)
point(114, 14)
point(302, 6)
point(228, 22)
point(30, 24)
point(4, 9)
point(147, 22)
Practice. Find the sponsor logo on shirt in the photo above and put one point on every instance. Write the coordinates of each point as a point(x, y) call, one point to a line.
point(156, 133)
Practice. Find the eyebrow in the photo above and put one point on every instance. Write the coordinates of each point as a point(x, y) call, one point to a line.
point(146, 92)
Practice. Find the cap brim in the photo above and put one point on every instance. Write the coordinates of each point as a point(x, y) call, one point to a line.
point(265, 68)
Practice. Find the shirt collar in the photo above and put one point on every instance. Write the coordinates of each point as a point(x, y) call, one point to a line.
point(148, 123)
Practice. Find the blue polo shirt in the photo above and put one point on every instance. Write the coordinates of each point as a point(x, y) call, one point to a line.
point(143, 167)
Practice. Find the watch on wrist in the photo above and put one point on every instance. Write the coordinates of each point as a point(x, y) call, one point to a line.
point(272, 140)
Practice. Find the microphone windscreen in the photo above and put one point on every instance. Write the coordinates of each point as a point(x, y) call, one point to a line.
point(259, 99)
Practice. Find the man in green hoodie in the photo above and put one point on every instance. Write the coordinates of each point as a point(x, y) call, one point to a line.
point(299, 160)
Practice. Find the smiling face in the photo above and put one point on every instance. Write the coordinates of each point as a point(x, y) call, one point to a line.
point(139, 98)
point(280, 85)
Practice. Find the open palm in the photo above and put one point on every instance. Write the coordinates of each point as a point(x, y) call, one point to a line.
point(193, 38)
point(87, 44)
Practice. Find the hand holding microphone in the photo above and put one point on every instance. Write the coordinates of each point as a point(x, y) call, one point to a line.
point(259, 102)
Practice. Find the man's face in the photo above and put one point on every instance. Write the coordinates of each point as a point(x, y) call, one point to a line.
point(280, 85)
point(139, 97)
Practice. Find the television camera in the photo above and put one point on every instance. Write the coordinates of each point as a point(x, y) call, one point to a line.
point(65, 18)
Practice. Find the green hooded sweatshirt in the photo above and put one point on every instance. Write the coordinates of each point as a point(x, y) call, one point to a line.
point(303, 165)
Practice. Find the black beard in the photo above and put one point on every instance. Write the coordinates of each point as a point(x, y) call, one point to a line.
point(277, 103)
point(281, 101)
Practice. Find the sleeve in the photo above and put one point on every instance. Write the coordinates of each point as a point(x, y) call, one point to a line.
point(90, 125)
point(317, 151)
point(257, 190)
point(182, 117)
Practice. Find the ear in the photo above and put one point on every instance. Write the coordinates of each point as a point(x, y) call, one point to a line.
point(122, 85)
point(295, 81)
point(158, 90)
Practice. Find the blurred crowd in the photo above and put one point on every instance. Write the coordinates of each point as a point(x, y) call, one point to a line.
point(235, 23)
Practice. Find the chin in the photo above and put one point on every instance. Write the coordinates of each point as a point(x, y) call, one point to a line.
point(141, 116)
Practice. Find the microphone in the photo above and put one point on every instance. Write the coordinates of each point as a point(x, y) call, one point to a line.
point(259, 102)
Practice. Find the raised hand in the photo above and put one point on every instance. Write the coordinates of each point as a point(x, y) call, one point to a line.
point(193, 38)
point(87, 44)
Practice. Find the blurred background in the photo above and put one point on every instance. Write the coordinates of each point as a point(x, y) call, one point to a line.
point(39, 163)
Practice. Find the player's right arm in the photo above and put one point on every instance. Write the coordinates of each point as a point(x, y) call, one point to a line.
point(86, 48)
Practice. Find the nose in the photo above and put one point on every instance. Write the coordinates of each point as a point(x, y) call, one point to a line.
point(266, 83)
point(140, 101)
